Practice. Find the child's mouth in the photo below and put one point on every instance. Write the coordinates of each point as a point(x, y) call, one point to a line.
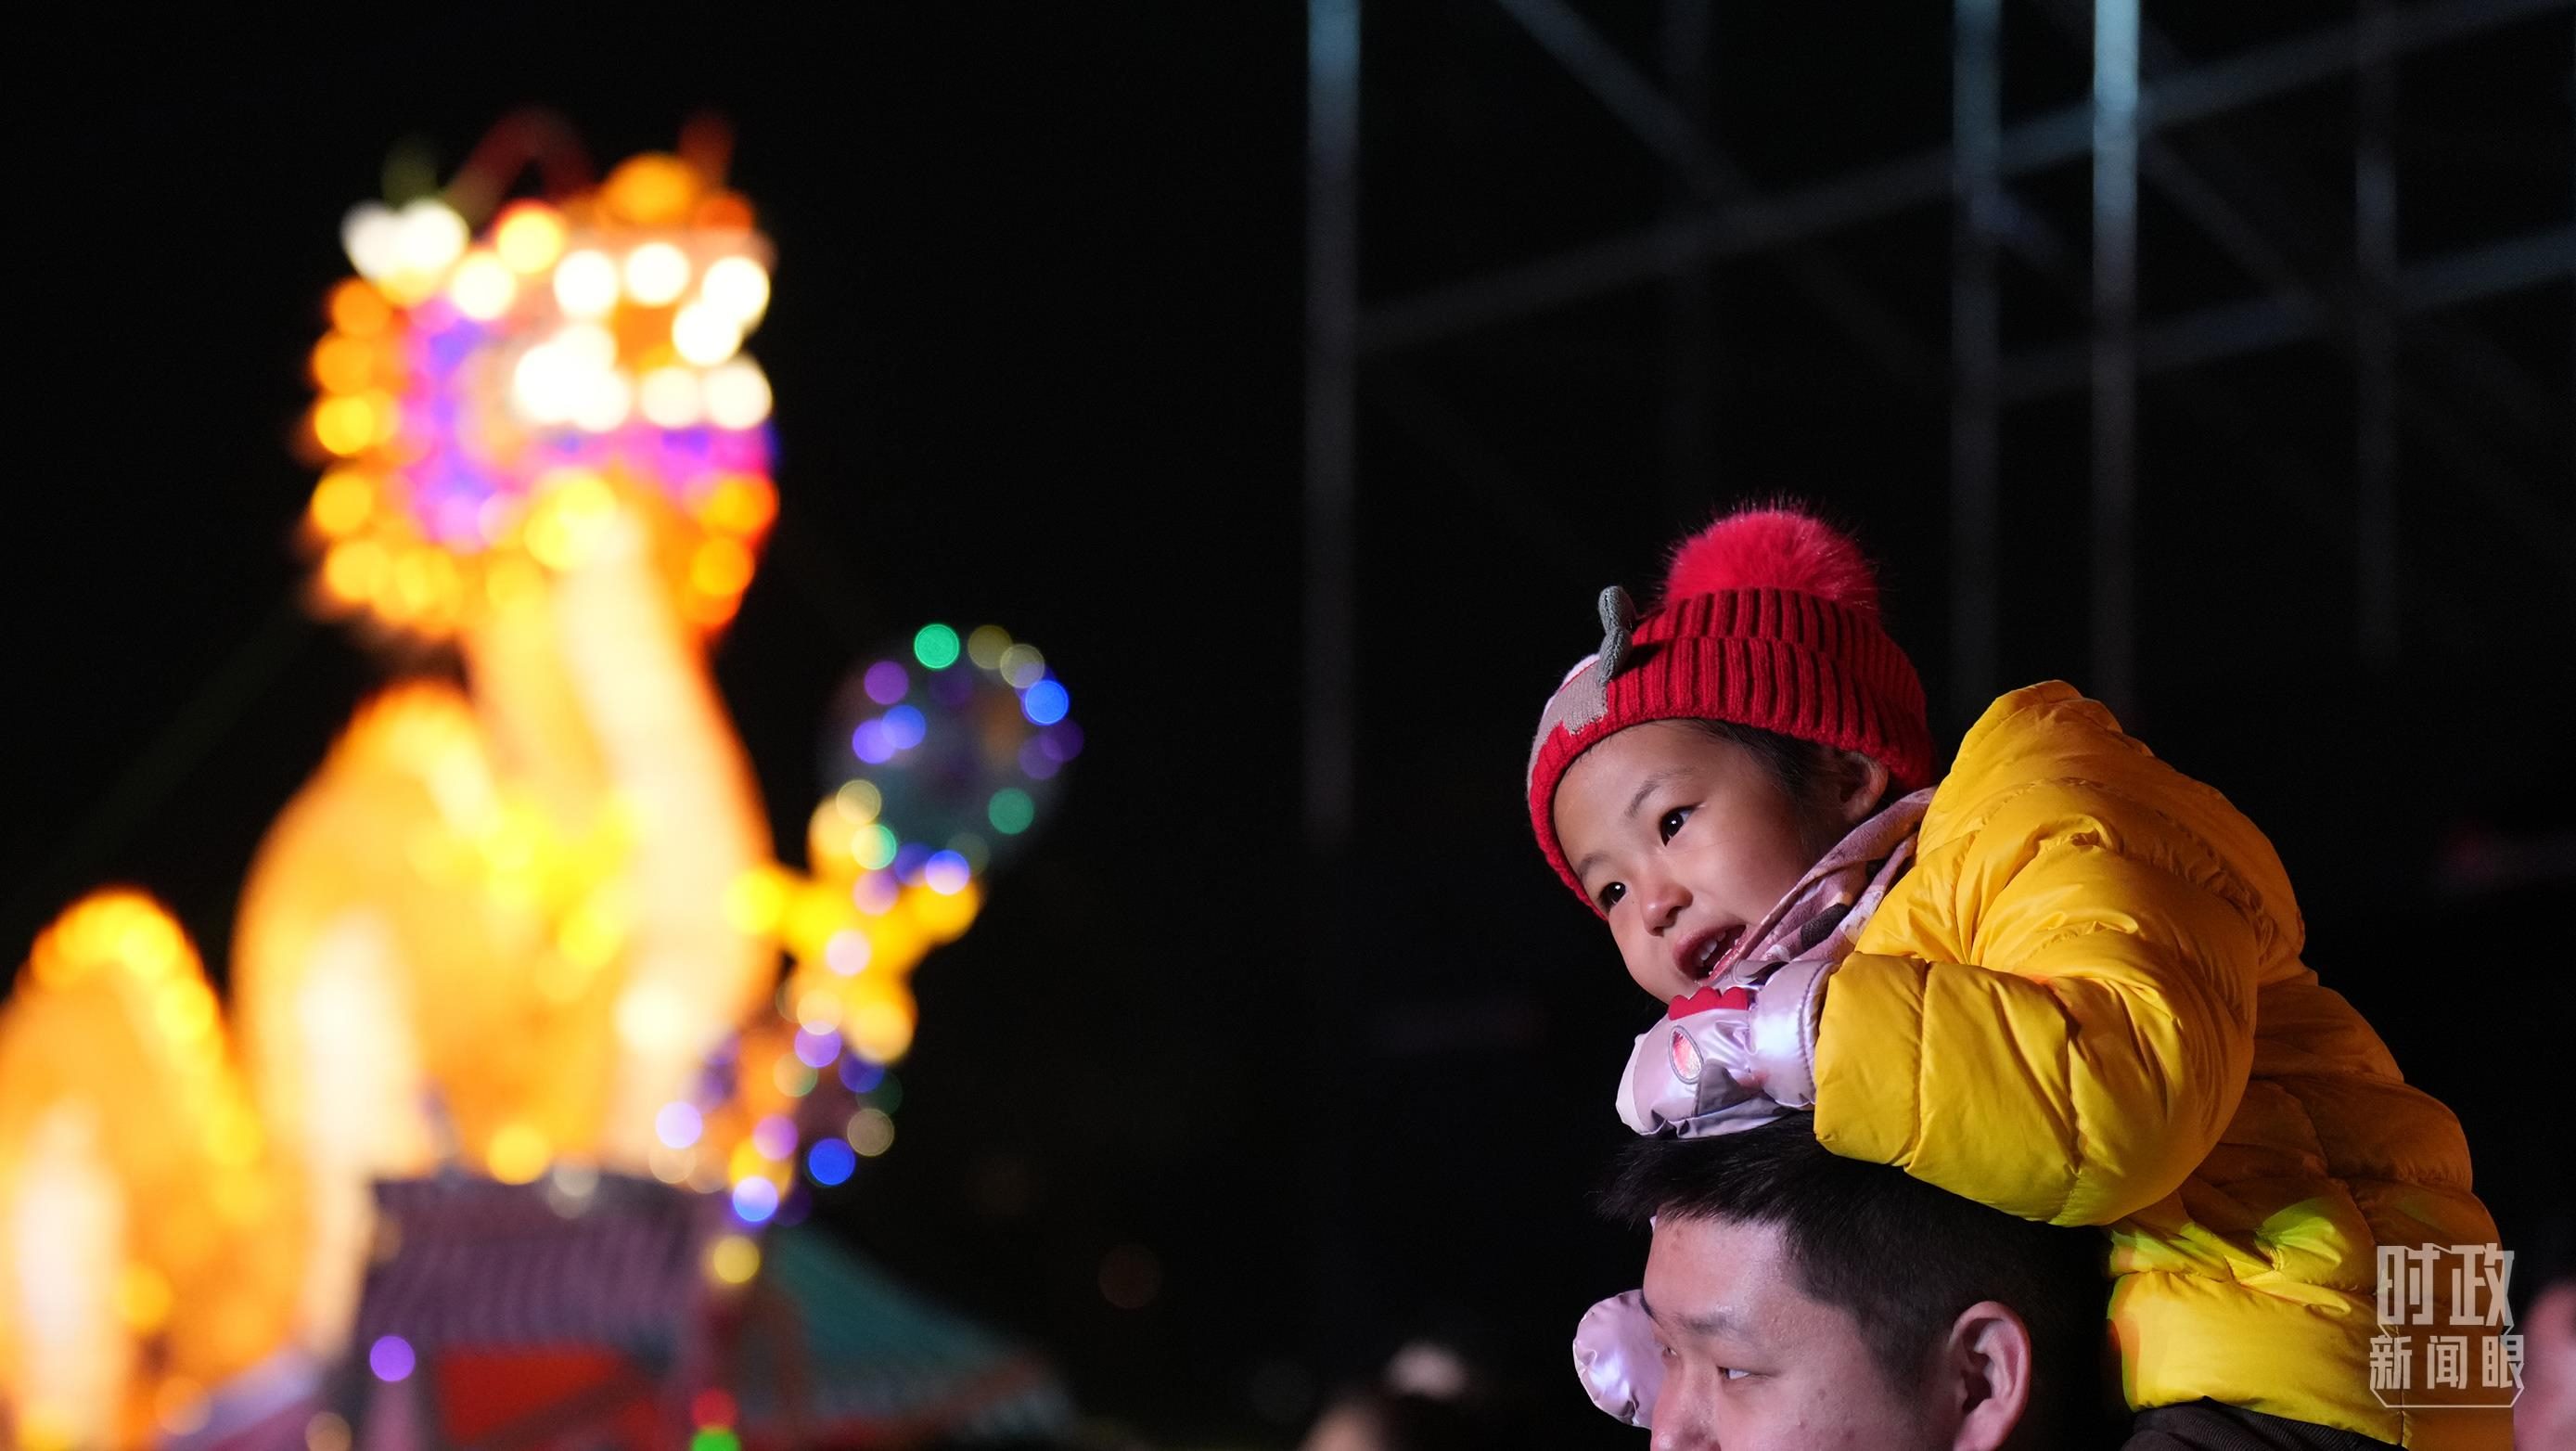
point(1714, 950)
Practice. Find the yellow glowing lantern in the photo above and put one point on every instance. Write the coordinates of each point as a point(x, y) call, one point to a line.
point(125, 1136)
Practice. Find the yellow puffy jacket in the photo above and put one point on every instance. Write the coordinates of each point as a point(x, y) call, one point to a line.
point(2084, 1004)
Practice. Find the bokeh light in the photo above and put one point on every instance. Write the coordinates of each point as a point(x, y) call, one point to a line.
point(656, 274)
point(755, 1200)
point(1044, 702)
point(847, 953)
point(678, 1125)
point(391, 1358)
point(733, 1259)
point(831, 1161)
point(737, 287)
point(518, 1153)
point(713, 1406)
point(1010, 811)
point(935, 646)
point(817, 1049)
point(327, 1431)
point(774, 1136)
point(946, 873)
point(870, 1131)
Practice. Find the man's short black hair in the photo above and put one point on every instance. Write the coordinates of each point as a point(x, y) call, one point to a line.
point(1902, 1257)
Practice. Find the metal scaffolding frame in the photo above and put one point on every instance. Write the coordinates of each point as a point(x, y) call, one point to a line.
point(2142, 89)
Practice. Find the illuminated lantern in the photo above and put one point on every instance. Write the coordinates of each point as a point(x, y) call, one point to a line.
point(493, 928)
point(148, 1228)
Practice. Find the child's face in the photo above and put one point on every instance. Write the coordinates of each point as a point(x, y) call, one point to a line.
point(1684, 841)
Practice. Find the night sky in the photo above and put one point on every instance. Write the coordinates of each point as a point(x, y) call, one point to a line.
point(1037, 354)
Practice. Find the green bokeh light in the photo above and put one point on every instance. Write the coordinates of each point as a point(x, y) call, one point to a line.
point(874, 846)
point(1011, 811)
point(935, 646)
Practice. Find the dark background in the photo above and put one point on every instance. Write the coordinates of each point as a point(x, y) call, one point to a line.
point(1037, 353)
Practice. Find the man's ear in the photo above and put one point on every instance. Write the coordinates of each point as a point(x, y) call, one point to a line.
point(1984, 1374)
point(1863, 780)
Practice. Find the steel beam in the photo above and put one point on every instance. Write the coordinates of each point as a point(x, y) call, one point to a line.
point(1341, 1307)
point(1332, 402)
point(2374, 337)
point(2113, 358)
point(1674, 135)
point(1690, 323)
point(2255, 323)
point(1976, 346)
point(2184, 96)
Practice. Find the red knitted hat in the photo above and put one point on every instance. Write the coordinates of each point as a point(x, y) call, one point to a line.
point(1769, 618)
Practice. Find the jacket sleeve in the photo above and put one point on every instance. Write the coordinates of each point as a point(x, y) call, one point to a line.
point(2089, 1046)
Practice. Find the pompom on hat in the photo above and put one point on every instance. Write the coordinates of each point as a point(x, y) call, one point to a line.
point(1769, 618)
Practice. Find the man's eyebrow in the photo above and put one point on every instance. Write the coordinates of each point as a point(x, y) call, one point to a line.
point(1720, 1321)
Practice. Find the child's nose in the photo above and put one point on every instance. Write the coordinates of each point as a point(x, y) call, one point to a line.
point(1664, 901)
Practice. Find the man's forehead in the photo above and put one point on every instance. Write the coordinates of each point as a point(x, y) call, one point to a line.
point(1717, 1269)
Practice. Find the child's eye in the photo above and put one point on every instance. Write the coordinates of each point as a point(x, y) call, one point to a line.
point(1611, 894)
point(1672, 822)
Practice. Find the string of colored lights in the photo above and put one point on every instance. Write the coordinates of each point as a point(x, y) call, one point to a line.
point(950, 752)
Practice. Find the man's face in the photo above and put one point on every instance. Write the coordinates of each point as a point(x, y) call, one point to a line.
point(1751, 1362)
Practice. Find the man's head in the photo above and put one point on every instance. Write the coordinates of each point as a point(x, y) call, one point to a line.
point(1806, 1300)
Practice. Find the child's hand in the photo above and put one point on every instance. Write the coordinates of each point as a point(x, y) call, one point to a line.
point(1725, 1061)
point(1693, 1072)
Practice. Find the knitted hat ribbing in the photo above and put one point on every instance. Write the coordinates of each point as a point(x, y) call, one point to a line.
point(1769, 618)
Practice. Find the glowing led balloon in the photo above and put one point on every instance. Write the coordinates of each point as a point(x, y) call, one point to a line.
point(592, 335)
point(959, 744)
